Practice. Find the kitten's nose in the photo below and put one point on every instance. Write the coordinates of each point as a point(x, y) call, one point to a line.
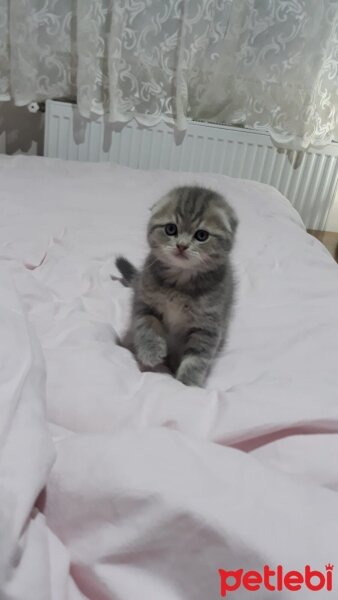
point(181, 247)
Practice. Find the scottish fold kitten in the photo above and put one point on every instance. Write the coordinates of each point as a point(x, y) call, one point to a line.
point(184, 293)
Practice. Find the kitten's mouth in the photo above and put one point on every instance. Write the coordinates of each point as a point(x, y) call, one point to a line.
point(180, 261)
point(180, 255)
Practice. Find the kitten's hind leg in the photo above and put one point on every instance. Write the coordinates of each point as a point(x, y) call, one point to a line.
point(199, 350)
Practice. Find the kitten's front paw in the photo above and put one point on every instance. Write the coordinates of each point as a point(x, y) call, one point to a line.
point(187, 380)
point(152, 351)
point(190, 375)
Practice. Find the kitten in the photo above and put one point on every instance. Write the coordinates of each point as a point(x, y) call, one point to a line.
point(183, 295)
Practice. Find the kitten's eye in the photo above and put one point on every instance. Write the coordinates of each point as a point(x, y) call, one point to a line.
point(201, 235)
point(170, 229)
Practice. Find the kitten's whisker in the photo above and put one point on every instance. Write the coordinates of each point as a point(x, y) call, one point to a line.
point(150, 265)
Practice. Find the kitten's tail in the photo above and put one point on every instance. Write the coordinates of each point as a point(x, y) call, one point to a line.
point(127, 270)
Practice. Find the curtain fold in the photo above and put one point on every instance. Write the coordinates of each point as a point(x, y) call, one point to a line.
point(270, 64)
point(42, 49)
point(4, 51)
point(278, 71)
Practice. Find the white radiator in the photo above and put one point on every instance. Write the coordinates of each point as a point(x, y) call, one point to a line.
point(307, 179)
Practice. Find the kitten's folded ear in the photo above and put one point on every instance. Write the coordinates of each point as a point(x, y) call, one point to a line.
point(159, 204)
point(233, 222)
point(232, 227)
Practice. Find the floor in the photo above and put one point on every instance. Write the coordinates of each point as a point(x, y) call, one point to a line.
point(329, 239)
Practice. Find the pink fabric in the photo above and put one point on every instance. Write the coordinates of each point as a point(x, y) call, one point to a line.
point(117, 484)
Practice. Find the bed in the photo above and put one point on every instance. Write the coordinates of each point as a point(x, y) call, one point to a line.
point(117, 484)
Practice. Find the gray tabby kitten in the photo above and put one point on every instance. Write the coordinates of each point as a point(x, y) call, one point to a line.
point(184, 293)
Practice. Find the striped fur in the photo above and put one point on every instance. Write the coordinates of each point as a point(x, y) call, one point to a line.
point(183, 298)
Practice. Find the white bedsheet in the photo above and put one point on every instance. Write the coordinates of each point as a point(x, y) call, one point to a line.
point(150, 487)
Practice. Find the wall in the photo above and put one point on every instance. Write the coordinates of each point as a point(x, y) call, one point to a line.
point(20, 130)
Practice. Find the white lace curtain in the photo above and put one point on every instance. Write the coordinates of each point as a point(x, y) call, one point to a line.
point(259, 63)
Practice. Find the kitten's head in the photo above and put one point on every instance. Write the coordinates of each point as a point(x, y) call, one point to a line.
point(191, 228)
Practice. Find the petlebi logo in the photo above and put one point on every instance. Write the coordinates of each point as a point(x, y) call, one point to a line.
point(276, 580)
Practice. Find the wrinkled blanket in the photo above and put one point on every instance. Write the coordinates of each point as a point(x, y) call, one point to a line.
point(117, 484)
